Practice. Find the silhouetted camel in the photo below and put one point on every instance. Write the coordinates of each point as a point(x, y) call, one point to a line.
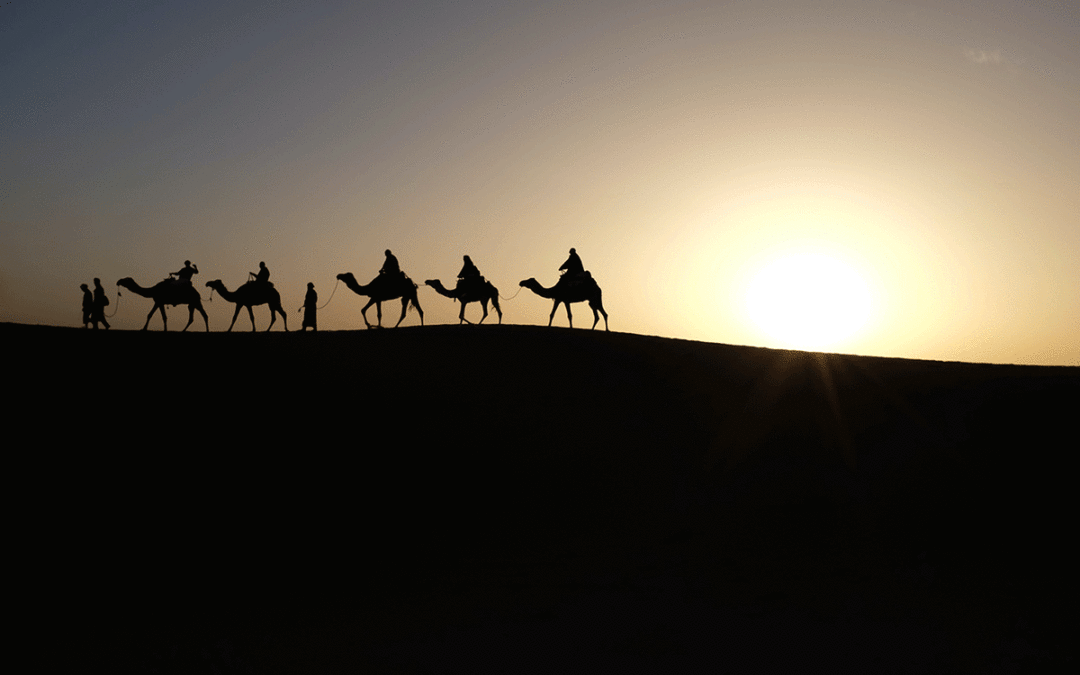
point(250, 294)
point(382, 288)
point(585, 290)
point(476, 291)
point(169, 292)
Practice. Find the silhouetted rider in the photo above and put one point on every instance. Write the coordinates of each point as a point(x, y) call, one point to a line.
point(263, 275)
point(186, 272)
point(390, 266)
point(572, 267)
point(468, 270)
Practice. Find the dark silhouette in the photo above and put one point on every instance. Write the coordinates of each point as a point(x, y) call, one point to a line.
point(100, 302)
point(572, 267)
point(385, 287)
point(474, 290)
point(856, 510)
point(169, 292)
point(262, 276)
point(250, 294)
point(310, 306)
point(468, 271)
point(87, 305)
point(390, 265)
point(581, 289)
point(186, 272)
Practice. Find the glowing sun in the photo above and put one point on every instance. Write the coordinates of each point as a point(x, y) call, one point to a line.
point(808, 301)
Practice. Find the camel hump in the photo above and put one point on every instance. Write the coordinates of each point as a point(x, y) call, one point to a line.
point(173, 283)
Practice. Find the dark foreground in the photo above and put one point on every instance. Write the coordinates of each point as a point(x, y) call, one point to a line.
point(522, 499)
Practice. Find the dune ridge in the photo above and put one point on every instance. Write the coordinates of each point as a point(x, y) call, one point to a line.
point(361, 493)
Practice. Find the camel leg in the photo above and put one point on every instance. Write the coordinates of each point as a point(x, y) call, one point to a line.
point(235, 314)
point(251, 314)
point(483, 306)
point(552, 317)
point(190, 318)
point(569, 316)
point(150, 316)
point(206, 319)
point(164, 319)
point(363, 313)
point(599, 306)
point(284, 319)
point(404, 308)
point(461, 315)
point(495, 304)
point(416, 304)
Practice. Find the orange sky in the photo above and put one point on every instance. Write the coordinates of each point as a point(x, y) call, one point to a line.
point(682, 147)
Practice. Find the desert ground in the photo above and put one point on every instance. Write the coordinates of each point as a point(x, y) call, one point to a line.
point(527, 499)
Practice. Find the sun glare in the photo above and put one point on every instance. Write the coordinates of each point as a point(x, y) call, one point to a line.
point(808, 301)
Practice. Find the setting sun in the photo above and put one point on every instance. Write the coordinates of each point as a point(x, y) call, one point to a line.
point(808, 300)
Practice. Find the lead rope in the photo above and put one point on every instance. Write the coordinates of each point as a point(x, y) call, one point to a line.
point(331, 295)
point(505, 299)
point(327, 300)
point(117, 308)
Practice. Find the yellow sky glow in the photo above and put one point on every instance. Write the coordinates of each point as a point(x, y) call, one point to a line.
point(680, 147)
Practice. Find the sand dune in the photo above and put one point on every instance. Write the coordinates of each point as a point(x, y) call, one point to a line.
point(455, 499)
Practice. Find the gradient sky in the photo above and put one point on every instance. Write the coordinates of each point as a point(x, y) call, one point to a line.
point(681, 147)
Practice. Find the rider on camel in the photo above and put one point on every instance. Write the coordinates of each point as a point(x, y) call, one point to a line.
point(263, 275)
point(468, 275)
point(390, 266)
point(572, 270)
point(186, 272)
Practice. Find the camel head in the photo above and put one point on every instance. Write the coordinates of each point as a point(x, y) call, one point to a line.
point(347, 277)
point(128, 283)
point(434, 283)
point(530, 283)
point(215, 285)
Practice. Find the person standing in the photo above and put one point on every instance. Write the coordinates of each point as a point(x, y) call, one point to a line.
point(87, 305)
point(311, 301)
point(100, 302)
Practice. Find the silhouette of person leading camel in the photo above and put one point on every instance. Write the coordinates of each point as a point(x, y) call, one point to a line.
point(311, 301)
point(97, 315)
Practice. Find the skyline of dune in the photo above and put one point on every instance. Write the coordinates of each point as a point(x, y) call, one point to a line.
point(753, 174)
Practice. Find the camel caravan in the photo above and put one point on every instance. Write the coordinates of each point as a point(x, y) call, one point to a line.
point(575, 284)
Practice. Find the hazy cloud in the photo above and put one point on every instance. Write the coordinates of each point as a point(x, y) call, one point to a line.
point(984, 56)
